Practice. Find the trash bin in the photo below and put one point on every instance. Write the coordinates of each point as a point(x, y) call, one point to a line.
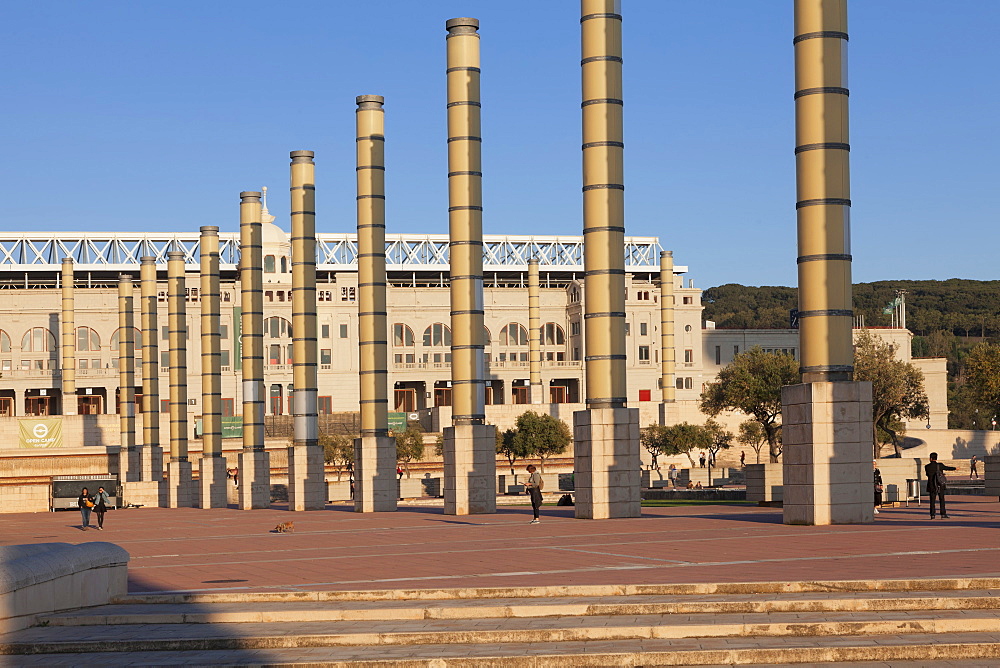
point(912, 490)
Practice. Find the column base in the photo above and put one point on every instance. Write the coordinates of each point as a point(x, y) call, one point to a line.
point(306, 478)
point(670, 413)
point(255, 479)
point(129, 465)
point(213, 482)
point(470, 469)
point(150, 462)
point(606, 463)
point(180, 490)
point(147, 493)
point(375, 474)
point(827, 453)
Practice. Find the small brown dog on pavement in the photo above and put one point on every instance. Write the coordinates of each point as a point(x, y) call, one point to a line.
point(285, 527)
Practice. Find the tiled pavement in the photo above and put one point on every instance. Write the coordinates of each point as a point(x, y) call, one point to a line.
point(337, 549)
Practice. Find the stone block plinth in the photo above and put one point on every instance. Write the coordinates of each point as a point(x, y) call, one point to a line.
point(147, 493)
point(764, 482)
point(375, 474)
point(212, 481)
point(180, 487)
point(306, 478)
point(470, 469)
point(606, 463)
point(827, 453)
point(991, 472)
point(255, 479)
point(150, 462)
point(129, 465)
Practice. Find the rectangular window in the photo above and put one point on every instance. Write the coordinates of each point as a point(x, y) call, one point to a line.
point(95, 364)
point(679, 384)
point(642, 329)
point(576, 354)
point(325, 329)
point(409, 358)
point(687, 384)
point(164, 405)
point(269, 295)
point(689, 356)
point(6, 365)
point(164, 359)
point(718, 354)
point(164, 333)
point(628, 329)
point(348, 294)
point(643, 353)
point(84, 364)
point(281, 295)
point(574, 328)
point(689, 300)
point(228, 407)
point(326, 356)
point(325, 405)
point(224, 357)
point(224, 331)
point(343, 331)
point(736, 351)
point(398, 359)
point(161, 296)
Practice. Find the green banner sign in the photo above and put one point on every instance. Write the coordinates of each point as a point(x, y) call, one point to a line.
point(232, 427)
point(397, 422)
point(40, 433)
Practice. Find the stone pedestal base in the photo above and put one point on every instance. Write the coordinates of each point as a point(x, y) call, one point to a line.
point(606, 463)
point(470, 469)
point(180, 490)
point(129, 465)
point(670, 413)
point(827, 456)
point(375, 474)
point(255, 480)
point(306, 478)
point(213, 482)
point(150, 494)
point(150, 462)
point(765, 482)
point(991, 473)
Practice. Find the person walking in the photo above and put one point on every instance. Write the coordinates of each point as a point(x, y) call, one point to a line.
point(101, 502)
point(878, 486)
point(743, 458)
point(672, 475)
point(973, 463)
point(701, 460)
point(937, 484)
point(534, 488)
point(86, 503)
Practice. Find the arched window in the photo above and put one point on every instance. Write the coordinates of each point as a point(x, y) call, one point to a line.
point(402, 336)
point(4, 342)
point(268, 264)
point(284, 264)
point(553, 335)
point(38, 340)
point(277, 327)
point(87, 339)
point(487, 339)
point(136, 336)
point(513, 334)
point(437, 334)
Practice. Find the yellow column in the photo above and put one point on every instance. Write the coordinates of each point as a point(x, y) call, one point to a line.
point(606, 448)
point(375, 451)
point(151, 453)
point(306, 487)
point(534, 335)
point(823, 195)
point(179, 468)
point(128, 463)
point(213, 465)
point(469, 459)
point(68, 339)
point(667, 353)
point(255, 472)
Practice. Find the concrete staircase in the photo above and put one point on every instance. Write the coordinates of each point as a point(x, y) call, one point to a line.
point(929, 621)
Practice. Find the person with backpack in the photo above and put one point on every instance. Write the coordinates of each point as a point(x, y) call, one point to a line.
point(937, 484)
point(534, 488)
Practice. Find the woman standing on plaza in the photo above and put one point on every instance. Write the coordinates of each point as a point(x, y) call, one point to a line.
point(878, 486)
point(102, 501)
point(86, 503)
point(534, 487)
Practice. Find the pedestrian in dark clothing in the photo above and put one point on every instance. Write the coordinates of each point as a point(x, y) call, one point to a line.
point(86, 504)
point(972, 468)
point(878, 487)
point(937, 484)
point(101, 503)
point(534, 487)
point(701, 460)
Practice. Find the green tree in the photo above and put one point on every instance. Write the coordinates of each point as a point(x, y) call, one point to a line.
point(719, 438)
point(410, 446)
point(752, 435)
point(751, 384)
point(338, 449)
point(983, 379)
point(654, 439)
point(542, 435)
point(683, 439)
point(897, 388)
point(512, 448)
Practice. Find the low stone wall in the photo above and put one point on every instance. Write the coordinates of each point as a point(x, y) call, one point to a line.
point(24, 495)
point(50, 577)
point(694, 494)
point(764, 482)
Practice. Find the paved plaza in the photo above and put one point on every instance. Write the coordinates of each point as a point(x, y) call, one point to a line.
point(228, 550)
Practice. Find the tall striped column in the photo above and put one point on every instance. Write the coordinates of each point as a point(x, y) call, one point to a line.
point(469, 456)
point(375, 451)
point(667, 351)
point(128, 463)
point(822, 156)
point(534, 334)
point(254, 468)
point(212, 473)
point(67, 337)
point(606, 455)
point(179, 490)
point(306, 485)
point(151, 453)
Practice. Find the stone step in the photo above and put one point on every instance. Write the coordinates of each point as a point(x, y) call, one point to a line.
point(320, 611)
point(270, 635)
point(929, 651)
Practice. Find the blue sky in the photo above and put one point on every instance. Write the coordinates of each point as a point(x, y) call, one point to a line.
point(154, 115)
